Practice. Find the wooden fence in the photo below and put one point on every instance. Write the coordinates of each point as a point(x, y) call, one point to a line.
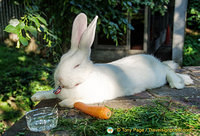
point(8, 10)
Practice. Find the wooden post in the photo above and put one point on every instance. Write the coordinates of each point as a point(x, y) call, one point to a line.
point(179, 30)
point(146, 30)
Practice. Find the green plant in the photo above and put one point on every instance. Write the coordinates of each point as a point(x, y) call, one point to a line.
point(21, 76)
point(191, 56)
point(193, 15)
point(112, 14)
point(31, 23)
point(3, 127)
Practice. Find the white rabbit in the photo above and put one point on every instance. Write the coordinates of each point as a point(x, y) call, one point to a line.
point(81, 80)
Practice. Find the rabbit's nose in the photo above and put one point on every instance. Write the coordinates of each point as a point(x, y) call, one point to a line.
point(60, 80)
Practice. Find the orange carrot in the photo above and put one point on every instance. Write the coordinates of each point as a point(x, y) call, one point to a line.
point(100, 112)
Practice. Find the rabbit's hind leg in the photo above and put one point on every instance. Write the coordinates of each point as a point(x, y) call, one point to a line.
point(174, 80)
point(187, 79)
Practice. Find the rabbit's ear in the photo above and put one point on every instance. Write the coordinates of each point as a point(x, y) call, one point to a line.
point(79, 26)
point(88, 36)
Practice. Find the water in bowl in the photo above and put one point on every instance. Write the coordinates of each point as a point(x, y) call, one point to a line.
point(42, 119)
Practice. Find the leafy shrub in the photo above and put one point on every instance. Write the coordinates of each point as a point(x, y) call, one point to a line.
point(193, 15)
point(31, 23)
point(21, 76)
point(40, 17)
point(191, 56)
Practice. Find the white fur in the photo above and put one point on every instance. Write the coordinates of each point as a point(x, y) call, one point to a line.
point(81, 80)
point(171, 64)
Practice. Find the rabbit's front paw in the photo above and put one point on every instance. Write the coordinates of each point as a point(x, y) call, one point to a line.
point(67, 103)
point(38, 96)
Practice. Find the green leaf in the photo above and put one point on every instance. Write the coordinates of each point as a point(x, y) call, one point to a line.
point(11, 29)
point(129, 3)
point(193, 11)
point(130, 27)
point(35, 20)
point(23, 40)
point(18, 44)
point(42, 20)
point(20, 26)
point(28, 36)
point(125, 21)
point(43, 28)
point(54, 36)
point(32, 30)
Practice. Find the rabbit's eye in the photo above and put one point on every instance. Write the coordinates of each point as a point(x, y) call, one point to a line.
point(77, 66)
